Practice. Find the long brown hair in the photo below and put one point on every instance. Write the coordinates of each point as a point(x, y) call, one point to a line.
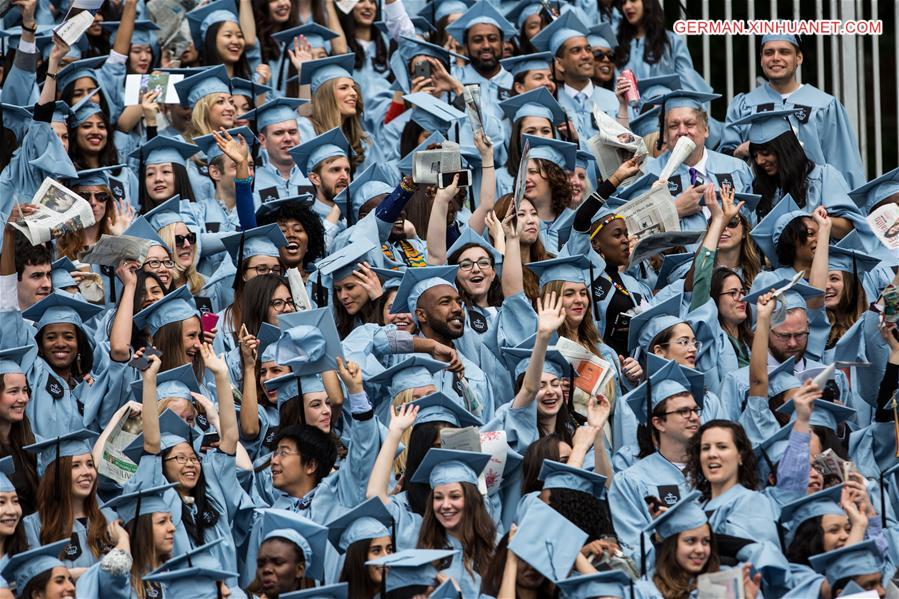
point(71, 244)
point(478, 534)
point(168, 341)
point(750, 258)
point(25, 477)
point(845, 314)
point(251, 303)
point(536, 251)
point(719, 275)
point(54, 508)
point(586, 334)
point(670, 578)
point(559, 184)
point(747, 473)
point(326, 116)
point(356, 574)
point(143, 553)
point(493, 577)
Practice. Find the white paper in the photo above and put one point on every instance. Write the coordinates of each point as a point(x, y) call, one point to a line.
point(885, 223)
point(613, 144)
point(428, 164)
point(494, 443)
point(59, 211)
point(298, 290)
point(110, 250)
point(825, 375)
point(651, 212)
point(724, 584)
point(682, 149)
point(346, 6)
point(136, 84)
point(592, 372)
point(114, 463)
point(71, 30)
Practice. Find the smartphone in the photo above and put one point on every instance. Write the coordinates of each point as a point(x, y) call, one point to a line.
point(446, 179)
point(208, 321)
point(143, 362)
point(422, 68)
point(652, 502)
point(210, 438)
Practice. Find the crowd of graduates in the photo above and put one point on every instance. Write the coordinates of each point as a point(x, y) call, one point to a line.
point(319, 377)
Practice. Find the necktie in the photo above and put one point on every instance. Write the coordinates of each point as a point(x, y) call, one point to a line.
point(581, 99)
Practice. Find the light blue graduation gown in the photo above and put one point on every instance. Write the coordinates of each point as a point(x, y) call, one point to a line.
point(555, 233)
point(86, 559)
point(268, 184)
point(582, 115)
point(743, 513)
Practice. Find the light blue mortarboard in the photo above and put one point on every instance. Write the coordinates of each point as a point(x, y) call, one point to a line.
point(846, 562)
point(368, 520)
point(321, 319)
point(167, 213)
point(647, 122)
point(316, 72)
point(208, 145)
point(310, 537)
point(641, 185)
point(673, 265)
point(610, 583)
point(330, 591)
point(85, 108)
point(602, 36)
point(297, 347)
point(330, 144)
point(432, 114)
point(438, 407)
point(468, 237)
point(213, 80)
point(686, 514)
point(569, 269)
point(11, 359)
point(436, 10)
point(317, 35)
point(176, 306)
point(174, 430)
point(824, 502)
point(552, 37)
point(696, 379)
point(192, 574)
point(23, 567)
point(60, 273)
point(652, 89)
point(547, 541)
point(202, 18)
point(390, 279)
point(418, 280)
point(584, 159)
point(519, 13)
point(365, 186)
point(88, 67)
point(482, 13)
point(344, 262)
point(162, 149)
point(141, 227)
point(771, 450)
point(248, 88)
point(178, 382)
point(766, 125)
point(685, 98)
point(561, 153)
point(275, 111)
point(411, 567)
point(7, 469)
point(144, 32)
point(853, 261)
point(668, 381)
point(94, 176)
point(873, 192)
point(780, 37)
point(519, 357)
point(447, 590)
point(410, 47)
point(824, 413)
point(556, 475)
point(527, 62)
point(411, 373)
point(140, 498)
point(406, 163)
point(446, 466)
point(287, 386)
point(537, 102)
point(782, 377)
point(645, 326)
point(796, 297)
point(767, 233)
point(62, 112)
point(259, 241)
point(61, 308)
point(72, 444)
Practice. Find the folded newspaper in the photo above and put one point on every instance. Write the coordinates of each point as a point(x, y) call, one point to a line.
point(682, 150)
point(724, 584)
point(110, 250)
point(298, 290)
point(830, 464)
point(78, 20)
point(613, 144)
point(656, 243)
point(472, 97)
point(651, 212)
point(428, 164)
point(114, 463)
point(169, 16)
point(59, 211)
point(592, 372)
point(885, 223)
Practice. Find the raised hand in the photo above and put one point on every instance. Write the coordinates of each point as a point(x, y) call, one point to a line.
point(300, 52)
point(765, 307)
point(235, 149)
point(249, 345)
point(350, 374)
point(822, 219)
point(368, 280)
point(402, 417)
point(122, 216)
point(730, 209)
point(598, 409)
point(631, 368)
point(584, 437)
point(550, 314)
point(215, 363)
point(445, 353)
point(126, 271)
point(149, 106)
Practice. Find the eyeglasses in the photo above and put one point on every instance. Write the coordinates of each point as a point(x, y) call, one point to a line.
point(684, 412)
point(798, 337)
point(280, 304)
point(735, 294)
point(264, 269)
point(483, 264)
point(97, 196)
point(184, 459)
point(734, 223)
point(190, 238)
point(157, 263)
point(685, 343)
point(600, 55)
point(283, 453)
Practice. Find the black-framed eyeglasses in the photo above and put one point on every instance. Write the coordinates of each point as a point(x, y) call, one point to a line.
point(684, 412)
point(97, 196)
point(281, 304)
point(483, 264)
point(734, 223)
point(157, 263)
point(735, 294)
point(264, 269)
point(190, 238)
point(184, 459)
point(601, 55)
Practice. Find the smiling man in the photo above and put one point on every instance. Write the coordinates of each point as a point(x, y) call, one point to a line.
point(821, 122)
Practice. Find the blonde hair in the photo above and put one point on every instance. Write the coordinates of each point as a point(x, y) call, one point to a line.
point(199, 117)
point(403, 397)
point(326, 116)
point(190, 275)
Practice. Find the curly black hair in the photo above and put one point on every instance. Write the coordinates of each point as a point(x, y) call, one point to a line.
point(312, 224)
point(585, 511)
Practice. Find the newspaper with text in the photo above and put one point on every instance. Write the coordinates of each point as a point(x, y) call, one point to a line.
point(613, 144)
point(592, 372)
point(114, 463)
point(885, 223)
point(59, 211)
point(651, 212)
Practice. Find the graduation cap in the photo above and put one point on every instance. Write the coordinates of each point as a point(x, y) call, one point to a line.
point(279, 110)
point(167, 213)
point(685, 98)
point(411, 567)
point(696, 378)
point(292, 386)
point(876, 190)
point(824, 413)
point(369, 520)
point(469, 237)
point(519, 13)
point(259, 241)
point(140, 498)
point(584, 159)
point(556, 475)
point(202, 18)
point(330, 591)
point(85, 108)
point(782, 378)
point(177, 382)
point(210, 147)
point(569, 269)
point(11, 359)
point(647, 122)
point(432, 114)
point(94, 176)
point(547, 541)
point(652, 89)
point(437, 9)
point(796, 297)
point(610, 583)
point(824, 502)
point(644, 327)
point(162, 149)
point(527, 62)
point(297, 347)
point(213, 80)
point(686, 514)
point(141, 227)
point(62, 112)
point(173, 429)
point(406, 163)
point(273, 206)
point(323, 320)
point(438, 407)
point(309, 537)
point(447, 590)
point(537, 102)
point(482, 13)
point(764, 126)
point(72, 444)
point(771, 450)
point(365, 186)
point(668, 381)
point(552, 37)
point(410, 47)
point(250, 89)
point(317, 72)
point(851, 260)
point(561, 153)
point(846, 562)
point(674, 267)
point(602, 36)
point(174, 307)
point(61, 308)
point(7, 469)
point(390, 279)
point(73, 71)
point(329, 144)
point(192, 574)
point(413, 372)
point(144, 32)
point(60, 273)
point(317, 35)
point(520, 356)
point(344, 262)
point(767, 233)
point(446, 466)
point(24, 567)
point(418, 280)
